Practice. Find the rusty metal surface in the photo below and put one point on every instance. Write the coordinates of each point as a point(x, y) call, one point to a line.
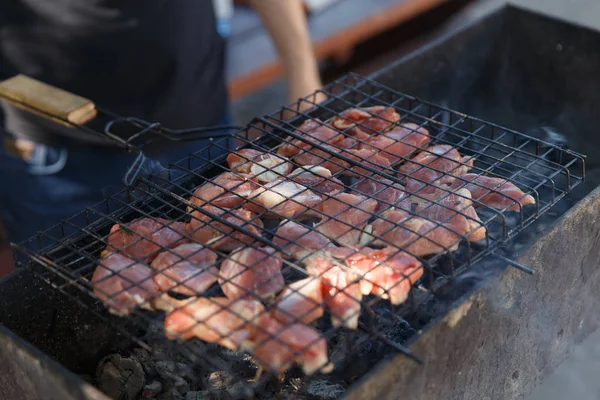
point(501, 340)
point(26, 374)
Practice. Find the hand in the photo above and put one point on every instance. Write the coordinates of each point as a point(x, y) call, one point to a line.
point(306, 88)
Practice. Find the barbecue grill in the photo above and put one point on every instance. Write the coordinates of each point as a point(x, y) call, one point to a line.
point(67, 255)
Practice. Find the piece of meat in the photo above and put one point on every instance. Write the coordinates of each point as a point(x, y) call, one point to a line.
point(144, 238)
point(496, 193)
point(434, 166)
point(220, 236)
point(312, 131)
point(386, 272)
point(364, 157)
point(227, 190)
point(188, 269)
point(345, 216)
point(455, 211)
point(340, 291)
point(370, 120)
point(399, 143)
point(301, 301)
point(387, 193)
point(264, 167)
point(276, 347)
point(359, 157)
point(284, 198)
point(318, 179)
point(220, 320)
point(417, 236)
point(252, 273)
point(123, 284)
point(293, 238)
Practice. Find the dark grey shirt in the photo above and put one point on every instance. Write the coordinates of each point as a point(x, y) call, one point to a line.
point(160, 60)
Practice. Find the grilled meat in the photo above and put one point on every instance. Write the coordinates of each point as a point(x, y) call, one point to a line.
point(370, 120)
point(340, 291)
point(275, 345)
point(313, 132)
point(227, 190)
point(264, 167)
point(215, 320)
point(123, 284)
point(399, 143)
point(220, 236)
point(144, 238)
point(301, 301)
point(344, 217)
point(387, 193)
point(434, 166)
point(318, 179)
point(284, 198)
point(252, 272)
point(387, 272)
point(295, 238)
point(188, 269)
point(496, 193)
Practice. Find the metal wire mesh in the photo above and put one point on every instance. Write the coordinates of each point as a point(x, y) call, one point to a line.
point(333, 220)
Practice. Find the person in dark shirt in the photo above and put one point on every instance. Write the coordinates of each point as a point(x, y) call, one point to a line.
point(158, 60)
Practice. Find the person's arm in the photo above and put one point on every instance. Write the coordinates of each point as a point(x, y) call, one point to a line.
point(285, 21)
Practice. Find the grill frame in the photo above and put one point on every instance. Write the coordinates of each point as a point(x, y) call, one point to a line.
point(272, 122)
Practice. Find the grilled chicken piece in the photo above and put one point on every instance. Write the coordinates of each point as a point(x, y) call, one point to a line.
point(294, 238)
point(264, 167)
point(417, 236)
point(123, 284)
point(344, 217)
point(387, 193)
point(215, 320)
point(313, 131)
point(370, 120)
point(318, 179)
point(217, 235)
point(496, 193)
point(455, 211)
point(340, 293)
point(301, 301)
point(227, 190)
point(387, 272)
point(435, 166)
point(276, 346)
point(188, 269)
point(284, 198)
point(252, 272)
point(336, 165)
point(399, 143)
point(144, 238)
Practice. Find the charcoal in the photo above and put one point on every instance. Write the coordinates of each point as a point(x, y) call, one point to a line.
point(145, 358)
point(324, 390)
point(171, 394)
point(120, 377)
point(202, 395)
point(172, 374)
point(152, 390)
point(219, 380)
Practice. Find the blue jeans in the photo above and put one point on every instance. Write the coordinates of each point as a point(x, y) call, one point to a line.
point(55, 184)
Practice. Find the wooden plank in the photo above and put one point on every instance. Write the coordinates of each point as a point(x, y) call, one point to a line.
point(329, 39)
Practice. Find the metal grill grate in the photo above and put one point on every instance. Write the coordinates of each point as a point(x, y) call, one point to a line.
point(356, 239)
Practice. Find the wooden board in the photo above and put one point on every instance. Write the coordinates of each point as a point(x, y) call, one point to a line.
point(253, 61)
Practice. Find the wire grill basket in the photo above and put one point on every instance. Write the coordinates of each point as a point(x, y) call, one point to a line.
point(320, 225)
